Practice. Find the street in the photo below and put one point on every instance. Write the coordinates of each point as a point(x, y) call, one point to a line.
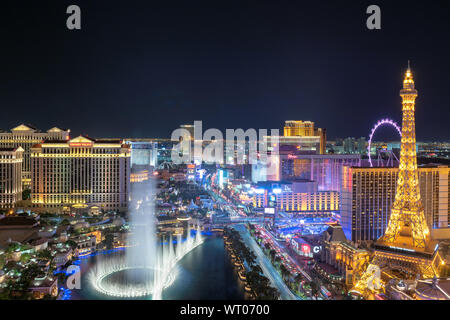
point(266, 265)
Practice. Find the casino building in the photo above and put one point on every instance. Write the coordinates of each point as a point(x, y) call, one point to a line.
point(10, 176)
point(81, 173)
point(25, 136)
point(314, 139)
point(300, 197)
point(368, 193)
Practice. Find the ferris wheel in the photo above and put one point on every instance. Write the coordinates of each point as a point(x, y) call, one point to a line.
point(387, 153)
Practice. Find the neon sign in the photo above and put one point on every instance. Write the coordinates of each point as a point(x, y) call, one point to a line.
point(80, 144)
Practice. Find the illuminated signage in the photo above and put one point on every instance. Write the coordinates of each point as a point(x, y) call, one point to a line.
point(80, 144)
point(277, 191)
point(316, 249)
point(269, 210)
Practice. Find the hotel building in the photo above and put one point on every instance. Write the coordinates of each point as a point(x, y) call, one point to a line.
point(301, 197)
point(325, 169)
point(10, 176)
point(305, 129)
point(143, 152)
point(346, 257)
point(324, 201)
point(288, 165)
point(368, 194)
point(26, 136)
point(82, 172)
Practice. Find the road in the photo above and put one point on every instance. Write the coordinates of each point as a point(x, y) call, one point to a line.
point(293, 261)
point(265, 264)
point(311, 276)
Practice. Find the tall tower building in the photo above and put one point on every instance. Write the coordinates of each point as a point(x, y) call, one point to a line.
point(25, 136)
point(10, 176)
point(407, 223)
point(304, 132)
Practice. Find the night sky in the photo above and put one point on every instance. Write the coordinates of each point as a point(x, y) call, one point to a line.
point(140, 69)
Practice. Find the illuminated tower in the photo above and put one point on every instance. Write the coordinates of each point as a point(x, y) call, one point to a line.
point(406, 250)
point(407, 223)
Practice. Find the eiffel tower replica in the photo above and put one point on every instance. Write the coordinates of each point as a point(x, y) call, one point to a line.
point(405, 251)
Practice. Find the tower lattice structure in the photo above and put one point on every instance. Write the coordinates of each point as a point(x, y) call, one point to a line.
point(406, 245)
point(407, 218)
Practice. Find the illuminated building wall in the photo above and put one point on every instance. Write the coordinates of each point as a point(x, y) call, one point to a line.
point(308, 202)
point(296, 198)
point(10, 176)
point(298, 128)
point(368, 194)
point(302, 145)
point(139, 176)
point(348, 259)
point(81, 171)
point(26, 136)
point(326, 170)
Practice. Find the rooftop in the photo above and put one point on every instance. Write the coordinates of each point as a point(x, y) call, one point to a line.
point(12, 221)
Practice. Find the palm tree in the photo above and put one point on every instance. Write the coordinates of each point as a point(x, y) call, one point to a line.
point(272, 254)
point(277, 259)
point(284, 271)
point(314, 288)
point(298, 279)
point(257, 269)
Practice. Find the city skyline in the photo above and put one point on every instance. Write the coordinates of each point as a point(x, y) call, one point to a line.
point(220, 151)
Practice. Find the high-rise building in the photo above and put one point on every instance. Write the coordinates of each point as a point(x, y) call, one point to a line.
point(361, 145)
point(81, 172)
point(304, 135)
point(349, 145)
point(298, 128)
point(25, 136)
point(324, 169)
point(367, 195)
point(143, 153)
point(301, 197)
point(190, 129)
point(10, 176)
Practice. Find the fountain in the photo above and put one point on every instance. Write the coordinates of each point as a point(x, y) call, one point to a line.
point(146, 268)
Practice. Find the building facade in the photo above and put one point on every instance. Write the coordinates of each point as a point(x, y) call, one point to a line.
point(10, 176)
point(81, 172)
point(296, 197)
point(26, 136)
point(143, 153)
point(306, 129)
point(368, 194)
point(324, 201)
point(344, 256)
